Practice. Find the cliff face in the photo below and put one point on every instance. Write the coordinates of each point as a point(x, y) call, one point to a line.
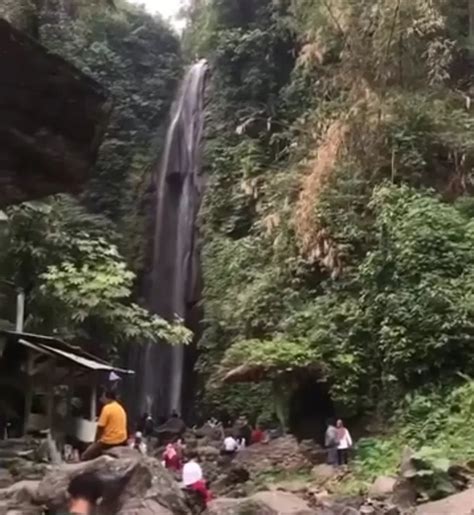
point(315, 108)
point(52, 120)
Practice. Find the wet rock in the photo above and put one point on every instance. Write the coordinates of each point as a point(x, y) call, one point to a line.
point(382, 487)
point(323, 473)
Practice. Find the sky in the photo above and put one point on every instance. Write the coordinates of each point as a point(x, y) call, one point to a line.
point(168, 8)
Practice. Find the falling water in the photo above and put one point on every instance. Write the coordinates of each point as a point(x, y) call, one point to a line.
point(172, 285)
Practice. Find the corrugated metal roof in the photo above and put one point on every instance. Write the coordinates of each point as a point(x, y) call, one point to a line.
point(78, 360)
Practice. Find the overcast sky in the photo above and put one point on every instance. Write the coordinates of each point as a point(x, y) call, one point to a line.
point(168, 8)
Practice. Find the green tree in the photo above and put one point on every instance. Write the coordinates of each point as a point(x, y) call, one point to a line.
point(77, 283)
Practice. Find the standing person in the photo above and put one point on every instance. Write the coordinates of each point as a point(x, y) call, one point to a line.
point(193, 479)
point(84, 491)
point(171, 458)
point(111, 427)
point(331, 443)
point(244, 432)
point(344, 443)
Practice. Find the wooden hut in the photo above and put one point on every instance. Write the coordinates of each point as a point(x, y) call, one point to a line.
point(46, 383)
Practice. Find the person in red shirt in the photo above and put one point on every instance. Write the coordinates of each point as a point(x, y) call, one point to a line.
point(258, 435)
point(193, 479)
point(171, 458)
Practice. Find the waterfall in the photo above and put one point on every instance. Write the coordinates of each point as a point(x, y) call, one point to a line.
point(172, 286)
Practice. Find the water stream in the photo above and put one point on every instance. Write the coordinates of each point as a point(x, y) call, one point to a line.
point(172, 288)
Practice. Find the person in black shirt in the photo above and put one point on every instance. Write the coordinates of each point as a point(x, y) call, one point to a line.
point(84, 491)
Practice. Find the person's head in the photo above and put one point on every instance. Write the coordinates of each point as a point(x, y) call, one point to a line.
point(108, 396)
point(84, 491)
point(138, 436)
point(330, 422)
point(340, 423)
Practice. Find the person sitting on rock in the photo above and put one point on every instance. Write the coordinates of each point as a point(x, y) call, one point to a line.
point(231, 445)
point(193, 478)
point(138, 443)
point(84, 491)
point(111, 427)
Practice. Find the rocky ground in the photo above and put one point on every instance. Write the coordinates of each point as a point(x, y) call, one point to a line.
point(249, 485)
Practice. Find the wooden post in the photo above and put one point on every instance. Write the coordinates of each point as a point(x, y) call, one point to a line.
point(93, 414)
point(20, 310)
point(28, 391)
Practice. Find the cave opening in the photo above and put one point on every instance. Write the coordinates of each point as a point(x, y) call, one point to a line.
point(310, 408)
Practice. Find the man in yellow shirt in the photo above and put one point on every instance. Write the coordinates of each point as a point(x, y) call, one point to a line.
point(111, 427)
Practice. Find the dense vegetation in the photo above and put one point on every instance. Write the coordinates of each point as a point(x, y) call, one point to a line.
point(337, 228)
point(77, 259)
point(338, 216)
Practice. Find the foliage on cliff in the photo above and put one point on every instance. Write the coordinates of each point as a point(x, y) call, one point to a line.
point(137, 58)
point(338, 212)
point(76, 282)
point(69, 260)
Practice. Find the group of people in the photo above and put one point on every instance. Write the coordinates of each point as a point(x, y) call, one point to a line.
point(338, 442)
point(179, 461)
point(242, 435)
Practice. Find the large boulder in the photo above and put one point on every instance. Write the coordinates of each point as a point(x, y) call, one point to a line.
point(282, 453)
point(382, 487)
point(135, 485)
point(458, 504)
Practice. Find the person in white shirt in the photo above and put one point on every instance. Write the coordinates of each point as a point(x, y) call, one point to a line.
point(138, 443)
point(344, 443)
point(231, 446)
point(192, 473)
